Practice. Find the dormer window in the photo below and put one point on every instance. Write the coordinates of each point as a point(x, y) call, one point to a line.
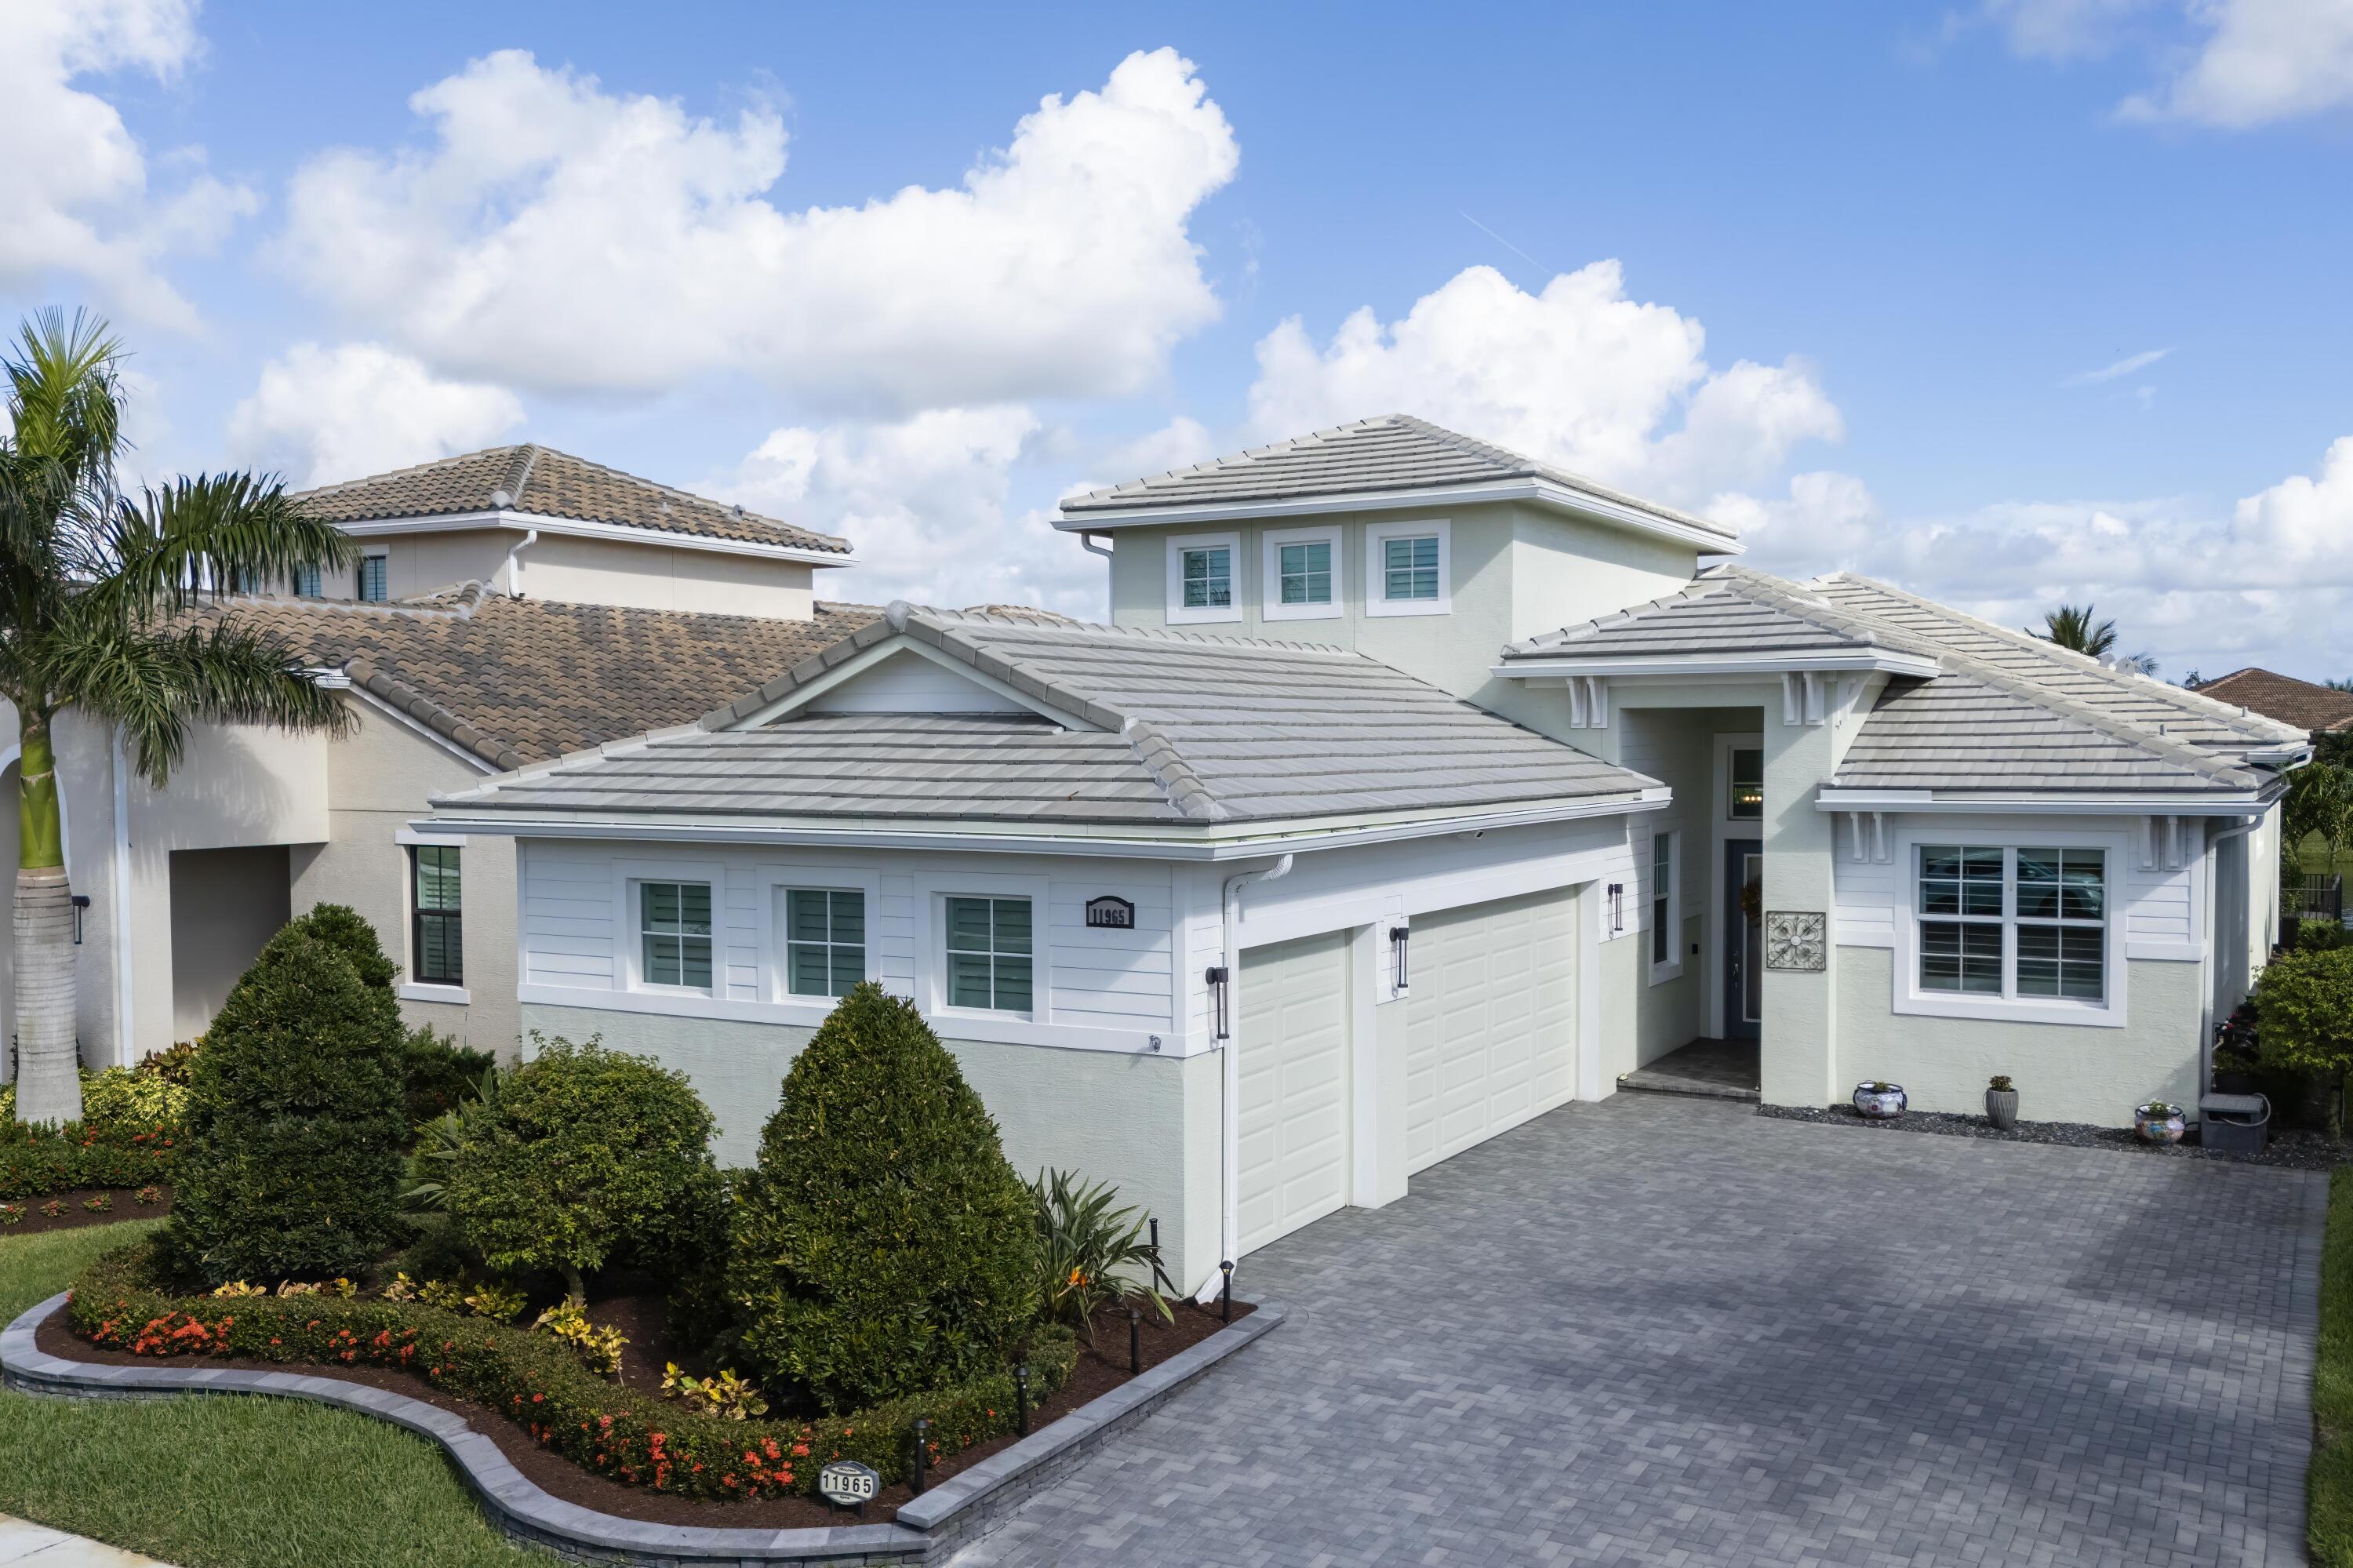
point(1406, 569)
point(1201, 578)
point(1209, 579)
point(1300, 574)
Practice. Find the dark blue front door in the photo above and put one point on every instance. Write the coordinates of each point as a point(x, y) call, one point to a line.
point(1744, 937)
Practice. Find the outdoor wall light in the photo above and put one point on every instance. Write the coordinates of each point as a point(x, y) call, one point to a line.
point(81, 903)
point(1217, 979)
point(1617, 907)
point(1399, 938)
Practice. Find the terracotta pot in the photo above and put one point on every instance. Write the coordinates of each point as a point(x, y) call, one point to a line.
point(2001, 1108)
point(2156, 1129)
point(1880, 1103)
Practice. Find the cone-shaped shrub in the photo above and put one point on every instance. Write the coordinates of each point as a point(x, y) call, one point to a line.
point(883, 1245)
point(345, 929)
point(293, 1167)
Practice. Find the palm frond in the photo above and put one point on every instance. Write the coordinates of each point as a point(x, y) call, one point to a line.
point(205, 537)
point(2070, 627)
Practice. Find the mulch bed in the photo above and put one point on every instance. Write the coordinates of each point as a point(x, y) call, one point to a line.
point(122, 1205)
point(2293, 1150)
point(641, 1317)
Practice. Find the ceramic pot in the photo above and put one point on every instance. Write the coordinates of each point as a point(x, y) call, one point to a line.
point(1879, 1104)
point(2001, 1108)
point(2153, 1128)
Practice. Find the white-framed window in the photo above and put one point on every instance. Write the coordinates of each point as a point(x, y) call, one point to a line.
point(1300, 574)
point(1744, 796)
point(1205, 578)
point(306, 582)
point(990, 953)
point(1666, 905)
point(825, 940)
point(2014, 926)
point(674, 934)
point(373, 582)
point(1407, 569)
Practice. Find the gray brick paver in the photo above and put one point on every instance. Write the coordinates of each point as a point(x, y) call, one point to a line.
point(1666, 1332)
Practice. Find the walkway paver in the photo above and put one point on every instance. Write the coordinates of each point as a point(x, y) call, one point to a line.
point(38, 1546)
point(1665, 1330)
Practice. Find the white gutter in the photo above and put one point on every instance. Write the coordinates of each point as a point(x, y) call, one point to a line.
point(1230, 1136)
point(1829, 800)
point(1087, 543)
point(1674, 665)
point(455, 521)
point(125, 1042)
point(514, 562)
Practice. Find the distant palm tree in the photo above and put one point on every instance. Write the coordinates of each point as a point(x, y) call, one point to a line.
point(2340, 684)
point(94, 591)
point(2072, 628)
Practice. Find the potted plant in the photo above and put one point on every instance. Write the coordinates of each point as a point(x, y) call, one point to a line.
point(1880, 1101)
point(2234, 1073)
point(2158, 1121)
point(2001, 1102)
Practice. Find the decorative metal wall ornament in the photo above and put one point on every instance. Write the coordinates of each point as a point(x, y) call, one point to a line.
point(1109, 912)
point(1795, 939)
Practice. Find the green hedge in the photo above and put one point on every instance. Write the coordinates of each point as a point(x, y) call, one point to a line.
point(36, 1161)
point(626, 1434)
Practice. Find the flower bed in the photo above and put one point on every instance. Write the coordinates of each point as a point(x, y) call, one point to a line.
point(625, 1436)
point(36, 1161)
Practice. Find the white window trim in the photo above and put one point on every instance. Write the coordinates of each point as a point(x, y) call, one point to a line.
point(1179, 614)
point(629, 944)
point(1910, 999)
point(1672, 967)
point(1269, 575)
point(776, 975)
point(418, 991)
point(932, 894)
point(1376, 536)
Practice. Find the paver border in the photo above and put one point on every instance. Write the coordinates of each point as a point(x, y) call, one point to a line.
point(961, 1508)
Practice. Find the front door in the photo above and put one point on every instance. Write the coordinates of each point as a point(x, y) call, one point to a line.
point(1744, 937)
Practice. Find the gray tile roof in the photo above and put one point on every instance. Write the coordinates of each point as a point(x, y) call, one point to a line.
point(550, 483)
point(1725, 610)
point(1392, 452)
point(1191, 729)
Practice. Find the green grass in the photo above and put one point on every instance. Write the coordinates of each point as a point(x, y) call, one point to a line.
point(2328, 1485)
point(210, 1482)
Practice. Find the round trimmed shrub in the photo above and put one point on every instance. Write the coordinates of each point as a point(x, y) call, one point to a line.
point(292, 1163)
point(587, 1157)
point(345, 929)
point(883, 1247)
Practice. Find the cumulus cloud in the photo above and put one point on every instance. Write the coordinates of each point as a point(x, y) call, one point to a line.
point(2262, 60)
point(1579, 374)
point(74, 181)
point(2064, 29)
point(1060, 266)
point(320, 415)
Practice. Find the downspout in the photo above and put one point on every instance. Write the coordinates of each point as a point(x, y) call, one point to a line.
point(2206, 1042)
point(514, 562)
point(125, 1042)
point(1229, 1135)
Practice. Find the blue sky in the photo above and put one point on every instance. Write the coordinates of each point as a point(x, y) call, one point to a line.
point(2010, 300)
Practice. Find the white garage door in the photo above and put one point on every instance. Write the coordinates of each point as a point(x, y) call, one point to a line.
point(1491, 1022)
point(1294, 1085)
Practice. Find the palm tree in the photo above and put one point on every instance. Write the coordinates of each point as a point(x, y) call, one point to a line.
point(95, 591)
point(2072, 628)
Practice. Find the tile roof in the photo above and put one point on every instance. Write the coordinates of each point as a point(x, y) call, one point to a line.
point(1725, 610)
point(2307, 706)
point(549, 483)
point(519, 681)
point(1188, 730)
point(1394, 452)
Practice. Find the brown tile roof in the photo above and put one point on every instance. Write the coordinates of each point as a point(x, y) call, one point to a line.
point(521, 681)
point(551, 483)
point(2284, 697)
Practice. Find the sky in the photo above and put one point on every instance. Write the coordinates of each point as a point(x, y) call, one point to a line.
point(2014, 303)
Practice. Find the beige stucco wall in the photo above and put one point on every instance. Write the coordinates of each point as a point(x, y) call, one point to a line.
point(1146, 1123)
point(420, 562)
point(657, 576)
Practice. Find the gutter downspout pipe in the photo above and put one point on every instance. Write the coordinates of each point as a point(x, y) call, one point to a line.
point(2213, 1003)
point(514, 562)
point(1229, 1132)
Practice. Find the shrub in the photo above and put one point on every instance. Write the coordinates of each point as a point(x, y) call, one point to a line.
point(586, 1157)
point(34, 1161)
point(347, 931)
point(124, 1301)
point(1090, 1255)
point(120, 1101)
point(883, 1245)
point(292, 1161)
point(439, 1073)
point(2304, 1001)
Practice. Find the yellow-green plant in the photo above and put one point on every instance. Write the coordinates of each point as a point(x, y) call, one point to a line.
point(723, 1395)
point(499, 1303)
point(402, 1289)
point(1090, 1255)
point(600, 1348)
point(449, 1295)
point(239, 1289)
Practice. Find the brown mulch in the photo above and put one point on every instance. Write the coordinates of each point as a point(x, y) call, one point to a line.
point(1095, 1374)
point(123, 1205)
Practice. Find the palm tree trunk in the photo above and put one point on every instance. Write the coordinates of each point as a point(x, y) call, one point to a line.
point(48, 1078)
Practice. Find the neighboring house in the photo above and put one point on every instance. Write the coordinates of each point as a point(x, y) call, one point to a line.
point(2318, 710)
point(1415, 789)
point(449, 680)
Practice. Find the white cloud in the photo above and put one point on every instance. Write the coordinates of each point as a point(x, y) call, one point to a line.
point(74, 181)
point(1061, 266)
point(1828, 521)
point(1579, 374)
point(319, 415)
point(2064, 29)
point(2127, 366)
point(2263, 60)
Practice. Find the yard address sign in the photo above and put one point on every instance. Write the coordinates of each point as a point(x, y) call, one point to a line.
point(847, 1482)
point(1111, 911)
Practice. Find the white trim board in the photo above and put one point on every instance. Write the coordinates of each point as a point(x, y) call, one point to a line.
point(525, 522)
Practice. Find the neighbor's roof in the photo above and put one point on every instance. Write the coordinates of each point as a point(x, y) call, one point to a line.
point(1392, 452)
point(2307, 706)
point(542, 482)
point(1189, 730)
point(516, 680)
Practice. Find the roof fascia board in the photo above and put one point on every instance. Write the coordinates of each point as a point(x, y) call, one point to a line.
point(1716, 665)
point(865, 658)
point(1260, 839)
point(520, 522)
point(1834, 799)
point(339, 681)
point(1542, 492)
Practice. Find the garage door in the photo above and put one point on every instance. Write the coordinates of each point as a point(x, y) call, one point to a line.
point(1294, 1085)
point(1491, 1022)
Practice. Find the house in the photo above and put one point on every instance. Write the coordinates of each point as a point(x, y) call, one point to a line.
point(2315, 709)
point(508, 606)
point(1412, 789)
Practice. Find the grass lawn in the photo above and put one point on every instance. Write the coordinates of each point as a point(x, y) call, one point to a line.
point(209, 1482)
point(2329, 1485)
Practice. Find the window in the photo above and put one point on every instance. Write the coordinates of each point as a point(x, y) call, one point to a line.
point(1409, 567)
point(1305, 575)
point(825, 940)
point(1209, 579)
point(1201, 584)
point(988, 953)
point(2013, 924)
point(1748, 783)
point(1666, 907)
point(1406, 568)
point(306, 582)
point(674, 933)
point(1299, 570)
point(372, 580)
point(436, 920)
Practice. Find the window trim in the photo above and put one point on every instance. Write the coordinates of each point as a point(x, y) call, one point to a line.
point(359, 576)
point(1672, 966)
point(408, 988)
point(777, 878)
point(1204, 615)
point(628, 935)
point(1376, 537)
point(417, 912)
point(309, 582)
point(1270, 607)
point(1910, 999)
point(1732, 760)
point(932, 894)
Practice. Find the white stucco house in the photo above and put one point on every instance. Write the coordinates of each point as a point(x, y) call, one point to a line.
point(1413, 789)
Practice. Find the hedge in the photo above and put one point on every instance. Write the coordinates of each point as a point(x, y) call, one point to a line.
point(121, 1302)
point(36, 1161)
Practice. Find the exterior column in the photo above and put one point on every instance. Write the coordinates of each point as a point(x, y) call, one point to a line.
point(1799, 1042)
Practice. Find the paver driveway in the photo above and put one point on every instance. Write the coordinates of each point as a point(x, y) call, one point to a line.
point(1659, 1330)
